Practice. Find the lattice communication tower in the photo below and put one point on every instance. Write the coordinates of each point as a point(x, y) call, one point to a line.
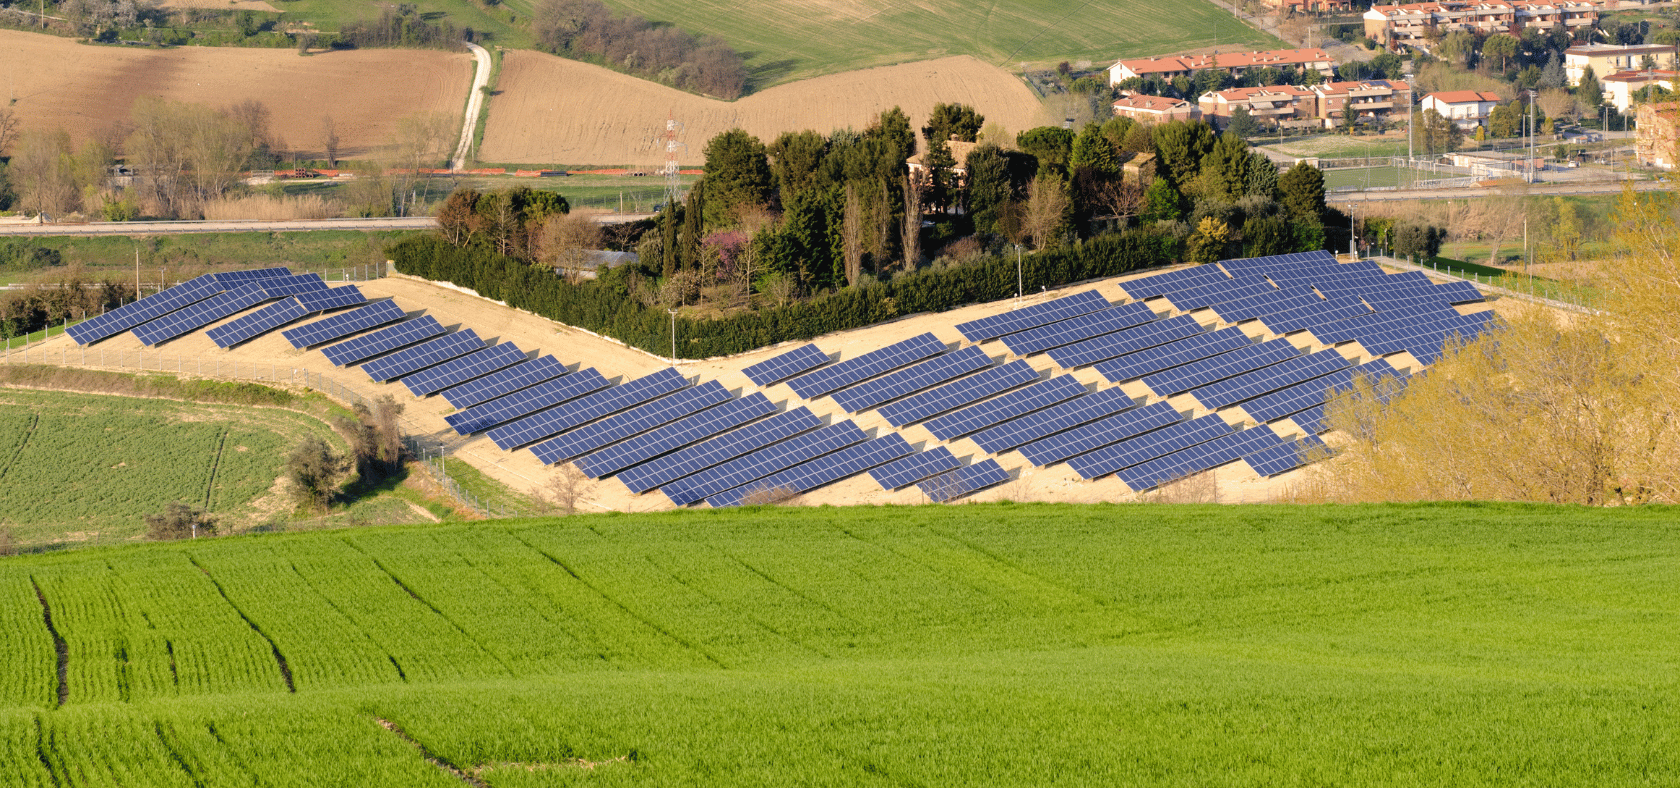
point(673, 183)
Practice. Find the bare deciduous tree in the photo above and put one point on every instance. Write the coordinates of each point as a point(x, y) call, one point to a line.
point(1047, 207)
point(329, 140)
point(566, 487)
point(912, 224)
point(565, 240)
point(9, 124)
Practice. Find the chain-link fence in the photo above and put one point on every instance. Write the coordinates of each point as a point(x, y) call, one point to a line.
point(435, 461)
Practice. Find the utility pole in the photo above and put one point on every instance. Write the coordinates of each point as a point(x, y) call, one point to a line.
point(137, 273)
point(1018, 285)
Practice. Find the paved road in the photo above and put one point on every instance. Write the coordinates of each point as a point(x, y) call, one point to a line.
point(475, 100)
point(1477, 192)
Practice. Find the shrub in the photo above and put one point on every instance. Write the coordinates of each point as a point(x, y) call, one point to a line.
point(180, 520)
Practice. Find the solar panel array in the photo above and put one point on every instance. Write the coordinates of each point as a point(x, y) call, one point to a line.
point(472, 365)
point(1286, 456)
point(1131, 340)
point(834, 377)
point(786, 365)
point(526, 401)
point(1102, 432)
point(765, 461)
point(963, 481)
point(914, 468)
point(519, 376)
point(1067, 332)
point(988, 328)
point(823, 470)
point(673, 436)
point(384, 340)
point(1160, 284)
point(426, 354)
point(224, 305)
point(1148, 446)
point(635, 421)
point(339, 326)
point(170, 300)
point(1299, 397)
point(1200, 373)
point(1238, 289)
point(1174, 354)
point(1265, 380)
point(1200, 457)
point(333, 298)
point(955, 395)
point(1050, 421)
point(909, 380)
point(994, 411)
point(275, 315)
point(719, 450)
point(543, 424)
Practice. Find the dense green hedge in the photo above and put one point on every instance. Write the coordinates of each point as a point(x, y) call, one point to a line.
point(607, 307)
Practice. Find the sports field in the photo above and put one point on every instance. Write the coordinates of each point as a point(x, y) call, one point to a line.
point(1379, 177)
point(788, 41)
point(994, 644)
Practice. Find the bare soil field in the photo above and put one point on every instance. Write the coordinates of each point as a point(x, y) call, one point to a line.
point(88, 89)
point(552, 110)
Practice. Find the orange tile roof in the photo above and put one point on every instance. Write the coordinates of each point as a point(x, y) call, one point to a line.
point(1463, 96)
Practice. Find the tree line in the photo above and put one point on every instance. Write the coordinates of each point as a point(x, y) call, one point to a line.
point(590, 30)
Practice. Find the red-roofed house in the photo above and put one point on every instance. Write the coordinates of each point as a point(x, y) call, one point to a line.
point(1235, 63)
point(1467, 108)
point(1285, 104)
point(1619, 88)
point(1396, 26)
point(1155, 109)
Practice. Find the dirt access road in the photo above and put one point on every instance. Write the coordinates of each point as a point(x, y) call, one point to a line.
point(475, 102)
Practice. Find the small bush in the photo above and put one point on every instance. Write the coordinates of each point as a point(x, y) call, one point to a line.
point(180, 520)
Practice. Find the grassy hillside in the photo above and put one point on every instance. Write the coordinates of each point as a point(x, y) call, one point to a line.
point(787, 41)
point(975, 645)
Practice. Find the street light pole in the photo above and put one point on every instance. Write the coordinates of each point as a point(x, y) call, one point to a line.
point(1353, 240)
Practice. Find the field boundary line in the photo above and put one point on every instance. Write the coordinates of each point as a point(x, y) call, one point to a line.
point(621, 606)
point(279, 658)
point(41, 751)
point(215, 466)
point(430, 606)
point(750, 617)
point(34, 423)
point(174, 753)
point(59, 644)
point(430, 758)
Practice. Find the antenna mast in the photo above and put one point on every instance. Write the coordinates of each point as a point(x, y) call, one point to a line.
point(673, 183)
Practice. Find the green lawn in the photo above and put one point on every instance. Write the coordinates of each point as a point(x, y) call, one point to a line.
point(996, 644)
point(788, 41)
point(639, 193)
point(1377, 177)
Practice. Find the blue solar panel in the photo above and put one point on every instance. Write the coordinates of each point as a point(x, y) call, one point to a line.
point(1148, 446)
point(1131, 340)
point(335, 298)
point(1301, 396)
point(232, 279)
point(763, 462)
point(546, 394)
point(854, 370)
point(339, 326)
point(1430, 334)
point(423, 355)
point(384, 340)
point(1208, 295)
point(1312, 420)
point(1100, 433)
point(988, 328)
point(1349, 330)
point(475, 364)
point(630, 423)
point(154, 306)
point(519, 376)
point(786, 365)
point(1050, 421)
point(721, 449)
point(1198, 458)
point(603, 403)
point(250, 326)
point(1265, 304)
point(912, 379)
point(1276, 262)
point(915, 468)
point(1067, 332)
point(1266, 380)
point(1314, 315)
point(1200, 373)
point(1015, 403)
point(1174, 354)
point(224, 305)
point(828, 469)
point(1159, 284)
point(955, 395)
point(963, 481)
point(676, 435)
point(1286, 456)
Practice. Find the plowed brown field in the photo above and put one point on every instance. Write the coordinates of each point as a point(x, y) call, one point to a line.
point(552, 110)
point(86, 89)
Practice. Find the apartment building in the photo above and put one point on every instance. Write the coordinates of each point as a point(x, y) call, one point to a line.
point(1310, 6)
point(1155, 109)
point(1375, 100)
point(1282, 104)
point(1234, 63)
point(1619, 88)
point(1606, 59)
point(1399, 26)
